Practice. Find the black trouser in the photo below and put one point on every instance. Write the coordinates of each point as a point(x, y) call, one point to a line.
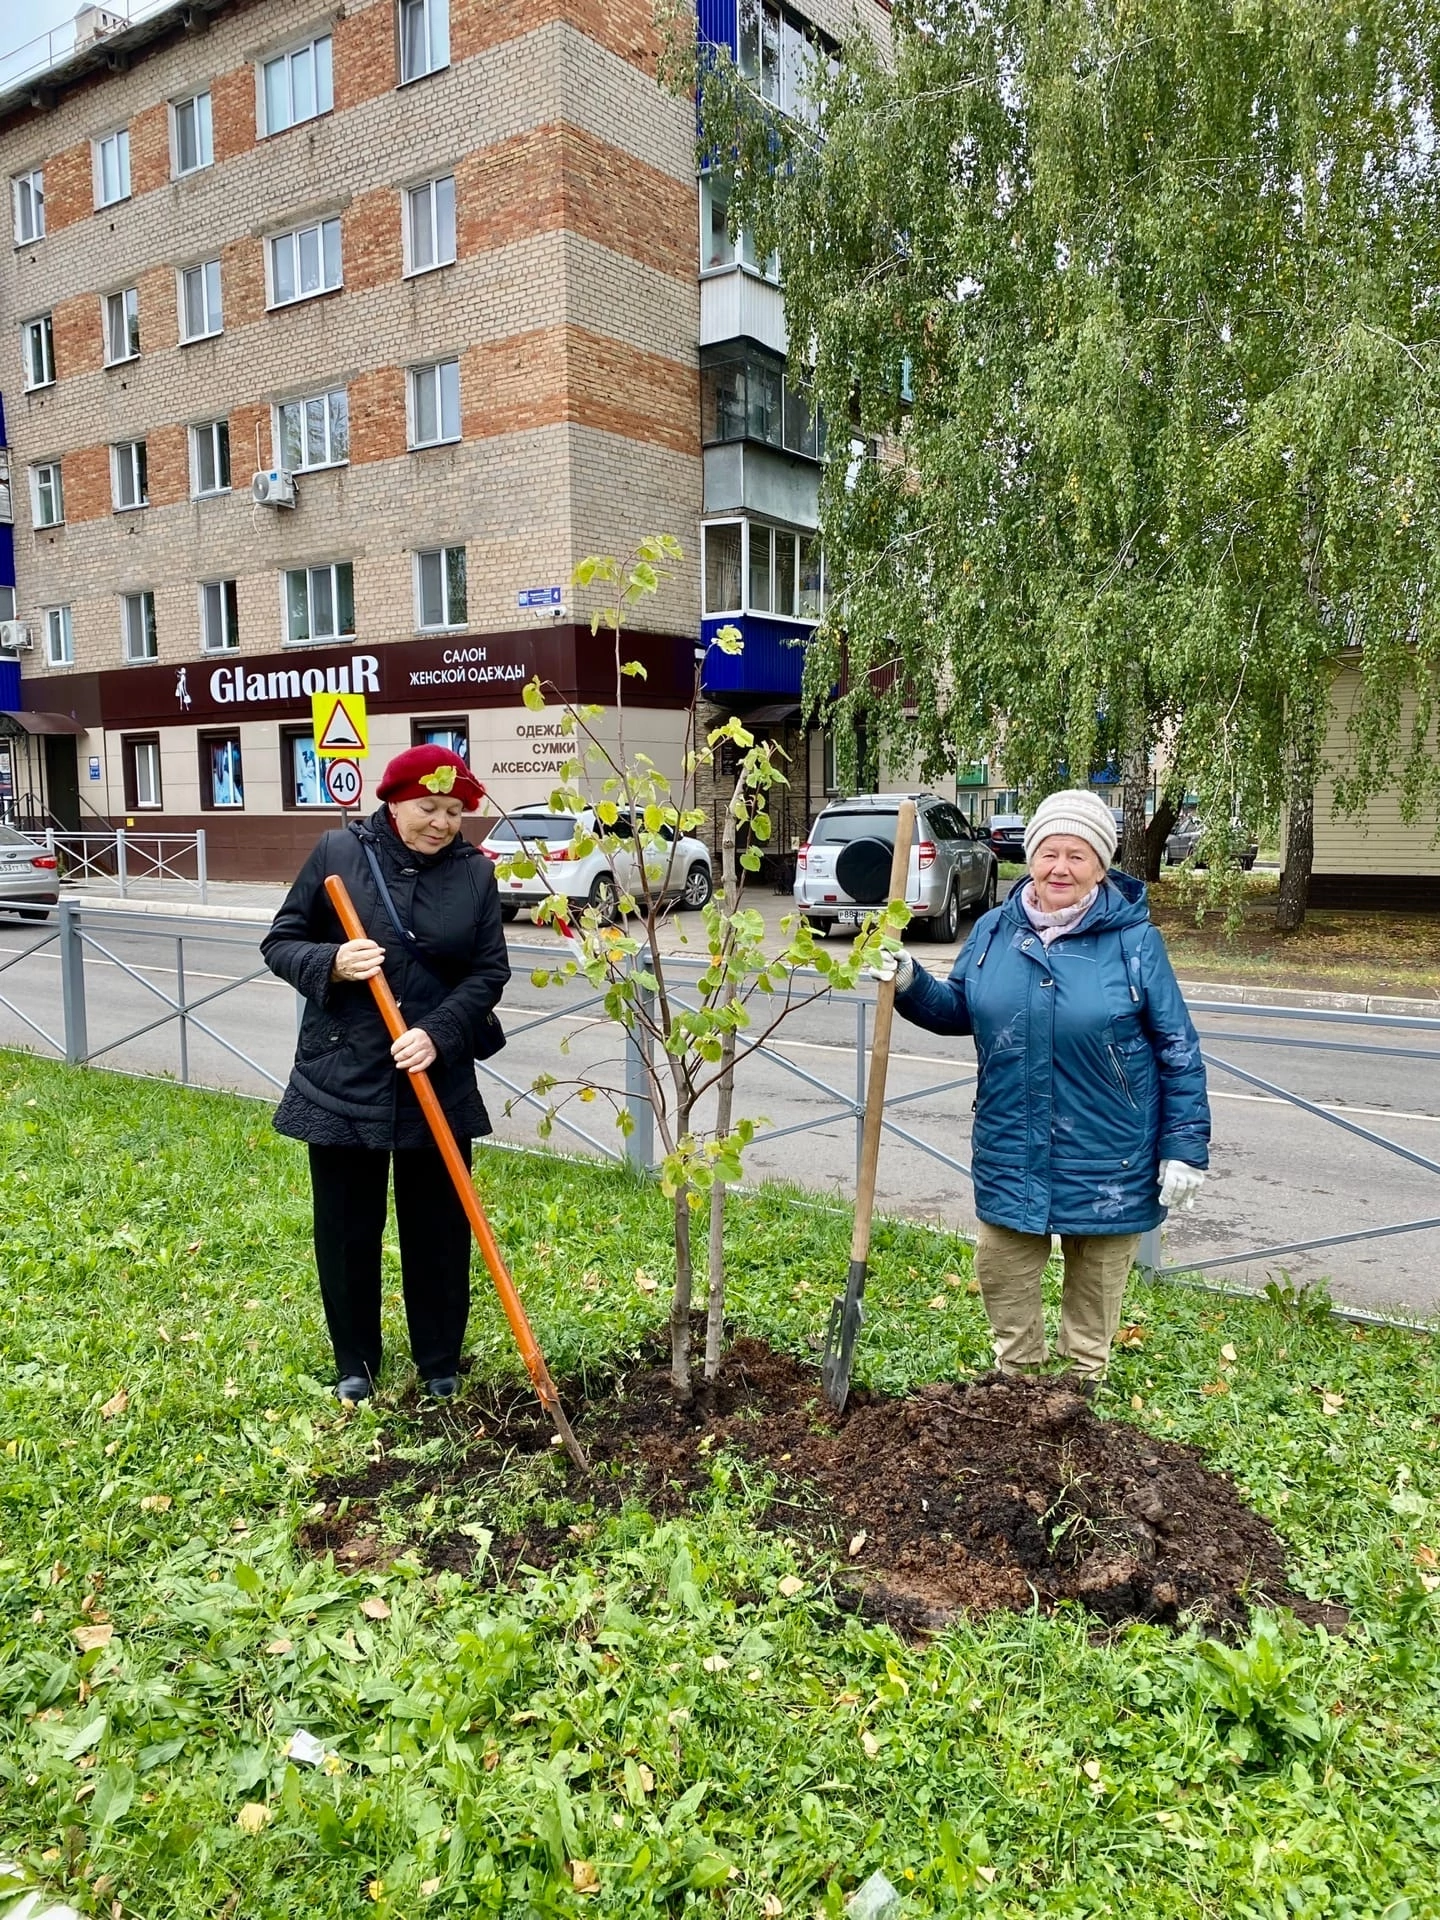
point(351, 1187)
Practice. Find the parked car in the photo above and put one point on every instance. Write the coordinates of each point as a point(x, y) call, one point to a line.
point(597, 878)
point(1186, 836)
point(1004, 834)
point(843, 869)
point(29, 876)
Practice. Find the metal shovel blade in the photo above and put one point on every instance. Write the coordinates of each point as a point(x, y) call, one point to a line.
point(847, 1316)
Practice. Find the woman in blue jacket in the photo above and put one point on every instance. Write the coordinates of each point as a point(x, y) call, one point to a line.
point(1090, 1112)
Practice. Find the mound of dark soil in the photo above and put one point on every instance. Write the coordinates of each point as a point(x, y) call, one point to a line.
point(1001, 1493)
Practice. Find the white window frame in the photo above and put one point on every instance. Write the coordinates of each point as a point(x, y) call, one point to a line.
point(739, 249)
point(151, 751)
point(433, 370)
point(210, 429)
point(129, 312)
point(203, 123)
point(291, 59)
point(707, 528)
point(219, 605)
point(206, 275)
point(56, 489)
point(303, 406)
point(448, 623)
point(117, 146)
point(767, 530)
point(312, 638)
point(293, 243)
point(58, 626)
point(133, 608)
point(429, 217)
point(38, 333)
point(27, 190)
point(129, 467)
point(433, 51)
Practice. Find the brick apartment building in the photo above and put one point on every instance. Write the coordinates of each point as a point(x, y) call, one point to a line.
point(435, 262)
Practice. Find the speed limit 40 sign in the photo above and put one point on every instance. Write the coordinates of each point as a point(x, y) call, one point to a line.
point(343, 782)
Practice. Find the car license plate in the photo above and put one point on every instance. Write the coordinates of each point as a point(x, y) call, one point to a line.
point(852, 919)
point(7, 868)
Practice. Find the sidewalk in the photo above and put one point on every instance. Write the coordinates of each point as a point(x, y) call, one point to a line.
point(256, 901)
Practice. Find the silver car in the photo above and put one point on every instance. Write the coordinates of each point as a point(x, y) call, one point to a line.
point(843, 869)
point(29, 877)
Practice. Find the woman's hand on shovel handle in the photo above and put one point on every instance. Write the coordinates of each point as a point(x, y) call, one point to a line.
point(357, 960)
point(413, 1050)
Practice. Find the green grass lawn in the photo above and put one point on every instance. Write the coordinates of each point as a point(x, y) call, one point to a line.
point(657, 1726)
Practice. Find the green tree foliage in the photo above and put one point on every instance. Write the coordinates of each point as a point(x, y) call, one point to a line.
point(1131, 306)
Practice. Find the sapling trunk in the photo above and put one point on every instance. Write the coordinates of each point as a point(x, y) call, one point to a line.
point(680, 1298)
point(724, 1104)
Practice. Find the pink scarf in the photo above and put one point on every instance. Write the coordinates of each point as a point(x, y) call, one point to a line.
point(1050, 926)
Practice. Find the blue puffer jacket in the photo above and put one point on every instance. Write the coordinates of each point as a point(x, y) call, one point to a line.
point(1090, 1069)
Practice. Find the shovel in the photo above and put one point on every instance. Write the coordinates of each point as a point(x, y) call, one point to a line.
point(469, 1199)
point(847, 1314)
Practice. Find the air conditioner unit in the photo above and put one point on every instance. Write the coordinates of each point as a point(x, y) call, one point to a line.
point(273, 489)
point(15, 637)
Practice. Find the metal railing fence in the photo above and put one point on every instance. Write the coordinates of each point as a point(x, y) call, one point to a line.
point(173, 982)
point(131, 855)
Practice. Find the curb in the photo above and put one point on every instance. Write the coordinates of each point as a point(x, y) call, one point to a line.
point(1212, 990)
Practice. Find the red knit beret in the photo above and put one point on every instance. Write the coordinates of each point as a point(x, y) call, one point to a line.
point(430, 773)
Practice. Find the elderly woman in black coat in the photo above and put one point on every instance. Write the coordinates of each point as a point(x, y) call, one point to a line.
point(429, 901)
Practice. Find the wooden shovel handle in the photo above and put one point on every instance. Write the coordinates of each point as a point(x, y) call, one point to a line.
point(880, 1054)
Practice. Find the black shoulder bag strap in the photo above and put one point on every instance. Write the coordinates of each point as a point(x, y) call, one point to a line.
point(491, 1037)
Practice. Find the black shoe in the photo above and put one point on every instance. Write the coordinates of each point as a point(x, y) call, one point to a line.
point(444, 1386)
point(354, 1388)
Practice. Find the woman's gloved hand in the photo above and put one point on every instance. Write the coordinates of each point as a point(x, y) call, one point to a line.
point(1179, 1183)
point(898, 967)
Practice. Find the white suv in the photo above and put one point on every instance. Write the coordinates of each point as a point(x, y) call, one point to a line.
point(843, 869)
point(597, 878)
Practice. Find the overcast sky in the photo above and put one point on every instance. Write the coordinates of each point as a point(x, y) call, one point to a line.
point(24, 24)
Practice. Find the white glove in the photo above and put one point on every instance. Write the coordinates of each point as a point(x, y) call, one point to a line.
point(1179, 1184)
point(898, 967)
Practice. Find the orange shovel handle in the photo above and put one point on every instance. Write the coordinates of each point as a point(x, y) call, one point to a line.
point(460, 1174)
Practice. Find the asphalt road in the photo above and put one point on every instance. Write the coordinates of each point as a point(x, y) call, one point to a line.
point(1278, 1174)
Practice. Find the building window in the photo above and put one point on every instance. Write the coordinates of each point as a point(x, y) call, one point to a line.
point(717, 248)
point(7, 504)
point(192, 144)
point(304, 263)
point(440, 588)
point(748, 395)
point(137, 626)
point(452, 734)
point(320, 602)
point(424, 37)
point(112, 168)
point(753, 568)
point(222, 781)
point(200, 311)
point(47, 498)
point(219, 616)
point(129, 476)
point(140, 757)
point(723, 543)
point(27, 202)
point(210, 457)
point(59, 637)
point(430, 225)
point(304, 780)
point(778, 52)
point(37, 348)
point(122, 326)
point(435, 404)
point(296, 86)
point(313, 433)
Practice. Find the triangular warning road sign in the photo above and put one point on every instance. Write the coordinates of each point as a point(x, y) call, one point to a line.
point(343, 731)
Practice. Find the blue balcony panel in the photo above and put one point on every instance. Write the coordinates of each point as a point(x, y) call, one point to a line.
point(718, 22)
point(772, 664)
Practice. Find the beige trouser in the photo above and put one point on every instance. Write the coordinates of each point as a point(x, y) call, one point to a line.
point(1009, 1265)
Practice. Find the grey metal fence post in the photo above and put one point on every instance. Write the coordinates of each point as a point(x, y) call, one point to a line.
point(72, 984)
point(861, 1009)
point(640, 1140)
point(1148, 1255)
point(180, 1002)
point(120, 873)
point(200, 868)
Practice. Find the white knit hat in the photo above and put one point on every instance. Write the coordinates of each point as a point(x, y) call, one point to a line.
point(1075, 811)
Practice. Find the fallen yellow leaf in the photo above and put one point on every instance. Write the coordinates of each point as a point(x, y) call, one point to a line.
point(90, 1639)
point(715, 1663)
point(1091, 1769)
point(1216, 1386)
point(790, 1586)
point(375, 1608)
point(1137, 1405)
point(772, 1906)
point(987, 1874)
point(156, 1503)
point(869, 1743)
point(646, 1282)
point(583, 1877)
point(117, 1403)
point(281, 1646)
point(1228, 1354)
point(427, 1887)
point(937, 1305)
point(1131, 1336)
point(1331, 1403)
point(1426, 1557)
point(857, 1544)
point(647, 1778)
point(252, 1817)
